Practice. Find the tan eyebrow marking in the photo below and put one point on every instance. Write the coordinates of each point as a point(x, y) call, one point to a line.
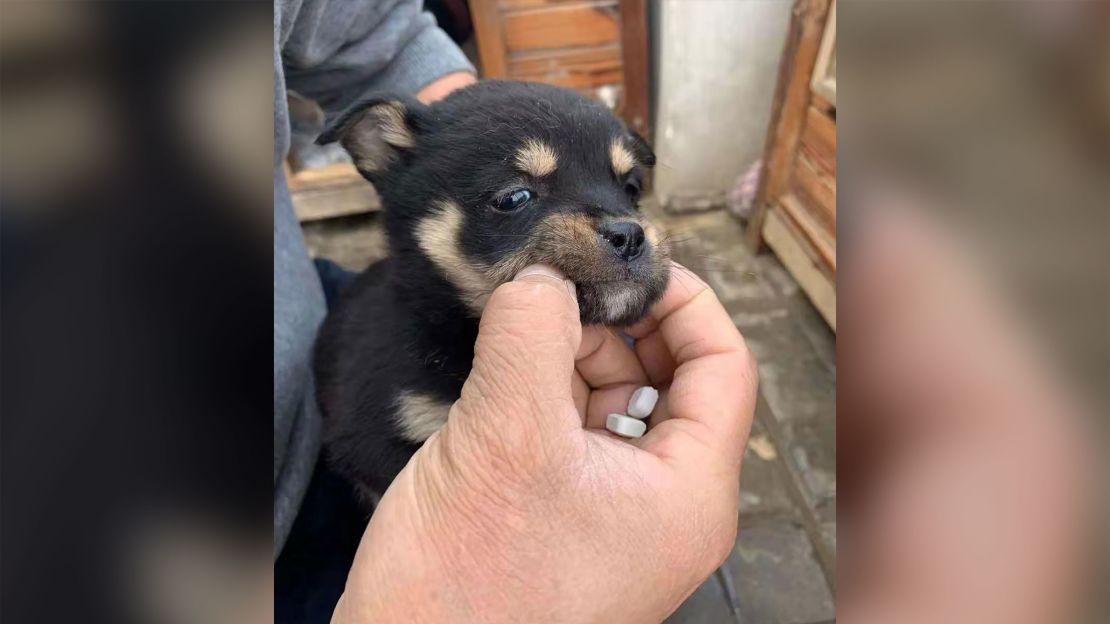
point(536, 158)
point(622, 159)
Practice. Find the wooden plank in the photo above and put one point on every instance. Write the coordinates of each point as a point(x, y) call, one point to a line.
point(634, 50)
point(516, 5)
point(821, 129)
point(816, 235)
point(792, 95)
point(577, 68)
point(335, 201)
point(791, 249)
point(489, 32)
point(338, 173)
point(824, 106)
point(562, 26)
point(824, 70)
point(817, 189)
point(824, 161)
point(819, 141)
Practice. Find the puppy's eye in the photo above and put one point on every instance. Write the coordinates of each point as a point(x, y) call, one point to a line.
point(632, 189)
point(514, 200)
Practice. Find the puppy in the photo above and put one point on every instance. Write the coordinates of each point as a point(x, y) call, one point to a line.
point(475, 187)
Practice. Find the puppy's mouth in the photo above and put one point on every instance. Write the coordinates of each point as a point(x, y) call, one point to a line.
point(619, 303)
point(614, 287)
point(609, 294)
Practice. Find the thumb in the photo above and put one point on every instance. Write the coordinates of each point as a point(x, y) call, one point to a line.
point(524, 355)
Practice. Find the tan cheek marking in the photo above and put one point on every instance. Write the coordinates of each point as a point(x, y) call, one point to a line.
point(622, 159)
point(438, 238)
point(420, 416)
point(569, 242)
point(536, 158)
point(661, 249)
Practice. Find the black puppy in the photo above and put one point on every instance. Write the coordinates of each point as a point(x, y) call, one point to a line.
point(475, 187)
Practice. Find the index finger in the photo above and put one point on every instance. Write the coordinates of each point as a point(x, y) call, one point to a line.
point(713, 380)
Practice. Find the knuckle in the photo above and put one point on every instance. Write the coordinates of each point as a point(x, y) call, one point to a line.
point(749, 366)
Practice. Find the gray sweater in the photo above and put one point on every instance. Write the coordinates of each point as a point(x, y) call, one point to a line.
point(333, 52)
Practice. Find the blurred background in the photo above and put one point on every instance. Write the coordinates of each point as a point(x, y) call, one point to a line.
point(135, 230)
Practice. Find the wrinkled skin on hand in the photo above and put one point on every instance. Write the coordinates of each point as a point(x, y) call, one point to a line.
point(524, 508)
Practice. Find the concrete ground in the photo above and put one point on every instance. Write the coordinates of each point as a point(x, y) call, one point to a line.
point(783, 567)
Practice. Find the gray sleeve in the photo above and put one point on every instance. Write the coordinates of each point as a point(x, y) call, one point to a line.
point(338, 51)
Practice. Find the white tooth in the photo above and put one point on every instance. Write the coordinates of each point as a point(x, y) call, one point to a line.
point(642, 402)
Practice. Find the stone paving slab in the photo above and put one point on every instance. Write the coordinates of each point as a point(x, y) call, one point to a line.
point(783, 565)
point(707, 605)
point(763, 481)
point(777, 576)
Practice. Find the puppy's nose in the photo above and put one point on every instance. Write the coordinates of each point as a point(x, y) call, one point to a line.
point(626, 237)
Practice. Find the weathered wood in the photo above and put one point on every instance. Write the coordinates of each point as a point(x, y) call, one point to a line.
point(792, 96)
point(819, 141)
point(514, 5)
point(824, 105)
point(810, 227)
point(824, 70)
point(816, 189)
point(634, 54)
point(790, 247)
point(561, 26)
point(328, 175)
point(576, 68)
point(821, 129)
point(490, 34)
point(597, 47)
point(326, 202)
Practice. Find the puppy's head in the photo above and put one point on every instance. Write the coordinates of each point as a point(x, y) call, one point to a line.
point(501, 175)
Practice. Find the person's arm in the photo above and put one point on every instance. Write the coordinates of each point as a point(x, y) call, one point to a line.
point(337, 52)
point(333, 52)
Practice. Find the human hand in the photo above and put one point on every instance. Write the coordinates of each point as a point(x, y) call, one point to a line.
point(524, 508)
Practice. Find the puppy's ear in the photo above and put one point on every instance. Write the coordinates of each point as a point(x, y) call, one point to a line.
point(640, 149)
point(377, 131)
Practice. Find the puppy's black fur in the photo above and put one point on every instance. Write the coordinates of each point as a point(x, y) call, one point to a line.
point(475, 187)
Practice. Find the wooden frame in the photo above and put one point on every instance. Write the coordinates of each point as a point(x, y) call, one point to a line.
point(795, 207)
point(792, 98)
point(540, 26)
point(334, 190)
point(799, 258)
point(824, 71)
point(492, 56)
point(634, 54)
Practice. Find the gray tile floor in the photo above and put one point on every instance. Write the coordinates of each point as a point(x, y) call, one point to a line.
point(783, 566)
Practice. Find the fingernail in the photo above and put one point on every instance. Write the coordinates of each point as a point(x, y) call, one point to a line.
point(550, 272)
point(540, 269)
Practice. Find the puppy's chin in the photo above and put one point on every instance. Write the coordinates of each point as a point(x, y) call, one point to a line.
point(618, 303)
